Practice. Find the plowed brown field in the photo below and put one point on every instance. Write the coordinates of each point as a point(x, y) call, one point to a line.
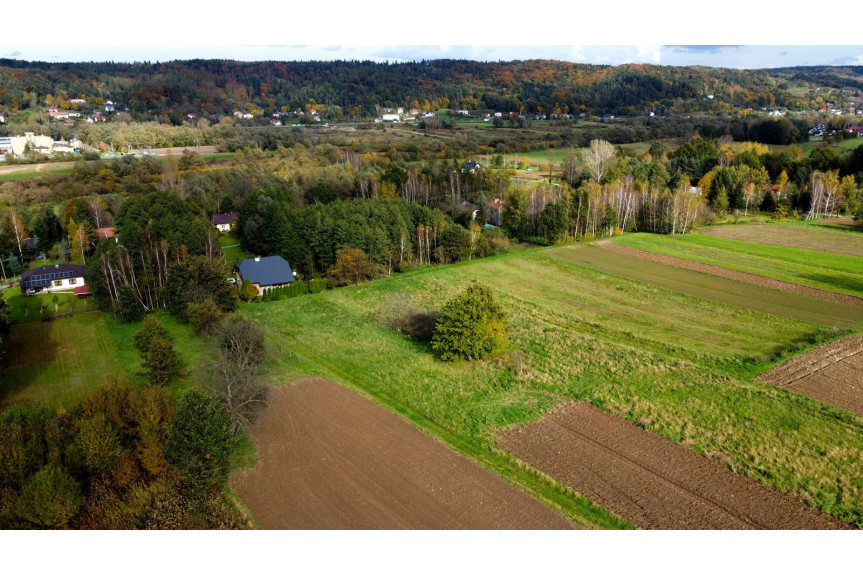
point(754, 279)
point(331, 459)
point(832, 373)
point(650, 481)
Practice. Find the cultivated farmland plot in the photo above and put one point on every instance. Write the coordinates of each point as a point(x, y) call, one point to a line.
point(832, 373)
point(330, 459)
point(676, 350)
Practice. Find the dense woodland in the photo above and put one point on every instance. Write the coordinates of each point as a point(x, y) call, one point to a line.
point(351, 89)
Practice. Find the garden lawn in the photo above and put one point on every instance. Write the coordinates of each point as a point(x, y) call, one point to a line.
point(824, 270)
point(681, 366)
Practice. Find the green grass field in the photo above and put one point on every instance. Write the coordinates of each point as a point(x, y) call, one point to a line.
point(684, 363)
point(818, 235)
point(714, 289)
point(59, 362)
point(828, 271)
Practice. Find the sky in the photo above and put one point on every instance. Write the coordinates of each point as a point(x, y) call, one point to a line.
point(727, 56)
point(734, 33)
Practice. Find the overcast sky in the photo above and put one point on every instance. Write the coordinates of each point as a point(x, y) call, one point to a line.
point(734, 33)
point(722, 56)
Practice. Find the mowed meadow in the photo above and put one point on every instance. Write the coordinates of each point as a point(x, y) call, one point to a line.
point(825, 270)
point(680, 366)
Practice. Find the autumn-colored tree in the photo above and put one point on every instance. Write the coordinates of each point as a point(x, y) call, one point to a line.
point(353, 266)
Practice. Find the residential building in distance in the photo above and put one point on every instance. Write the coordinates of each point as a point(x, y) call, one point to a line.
point(223, 222)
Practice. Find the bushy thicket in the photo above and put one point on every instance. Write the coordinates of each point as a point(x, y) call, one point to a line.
point(472, 325)
point(125, 458)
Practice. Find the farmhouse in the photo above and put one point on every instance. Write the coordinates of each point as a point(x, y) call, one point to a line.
point(223, 221)
point(59, 277)
point(270, 272)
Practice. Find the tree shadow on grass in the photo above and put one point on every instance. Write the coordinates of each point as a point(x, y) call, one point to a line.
point(30, 347)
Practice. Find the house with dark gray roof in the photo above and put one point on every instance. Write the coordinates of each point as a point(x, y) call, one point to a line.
point(58, 277)
point(269, 272)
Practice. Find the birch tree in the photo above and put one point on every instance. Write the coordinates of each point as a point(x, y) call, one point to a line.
point(598, 159)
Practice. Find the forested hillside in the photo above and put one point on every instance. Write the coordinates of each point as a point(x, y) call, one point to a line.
point(354, 89)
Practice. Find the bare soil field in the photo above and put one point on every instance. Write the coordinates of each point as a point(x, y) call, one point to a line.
point(832, 373)
point(648, 480)
point(736, 275)
point(331, 459)
point(795, 236)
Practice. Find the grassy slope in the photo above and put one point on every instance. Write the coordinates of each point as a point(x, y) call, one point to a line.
point(630, 348)
point(828, 271)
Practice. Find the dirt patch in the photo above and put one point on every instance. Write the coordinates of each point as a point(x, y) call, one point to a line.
point(331, 459)
point(650, 481)
point(754, 279)
point(832, 373)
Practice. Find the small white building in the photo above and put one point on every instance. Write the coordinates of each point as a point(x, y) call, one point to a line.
point(391, 117)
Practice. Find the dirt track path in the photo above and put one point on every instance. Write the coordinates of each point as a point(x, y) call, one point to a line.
point(733, 274)
point(331, 459)
point(648, 480)
point(832, 373)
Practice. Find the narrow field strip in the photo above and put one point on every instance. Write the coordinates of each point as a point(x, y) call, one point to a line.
point(331, 459)
point(810, 236)
point(832, 373)
point(733, 274)
point(648, 480)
